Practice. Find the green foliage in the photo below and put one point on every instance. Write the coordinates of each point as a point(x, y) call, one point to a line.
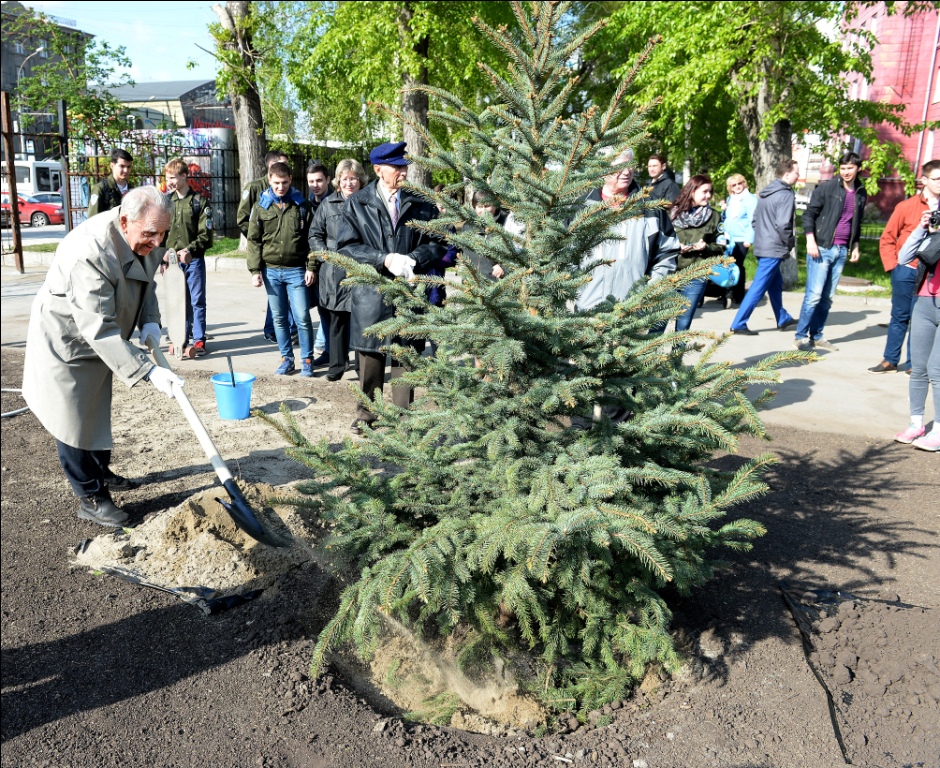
point(498, 509)
point(722, 61)
point(79, 71)
point(267, 26)
point(348, 54)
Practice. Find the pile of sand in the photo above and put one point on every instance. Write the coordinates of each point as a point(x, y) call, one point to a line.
point(198, 545)
point(426, 684)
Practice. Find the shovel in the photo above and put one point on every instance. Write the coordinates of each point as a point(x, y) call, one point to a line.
point(239, 509)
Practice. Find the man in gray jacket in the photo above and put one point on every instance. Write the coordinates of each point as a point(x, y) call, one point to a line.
point(99, 289)
point(773, 240)
point(645, 245)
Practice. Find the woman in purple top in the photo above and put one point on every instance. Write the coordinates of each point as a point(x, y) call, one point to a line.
point(833, 224)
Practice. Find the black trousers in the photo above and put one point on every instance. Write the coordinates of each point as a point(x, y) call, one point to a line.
point(737, 291)
point(87, 471)
point(339, 339)
point(372, 378)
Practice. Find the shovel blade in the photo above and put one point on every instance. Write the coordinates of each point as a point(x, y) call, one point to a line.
point(244, 517)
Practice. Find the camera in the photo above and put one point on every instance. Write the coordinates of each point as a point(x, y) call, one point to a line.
point(934, 220)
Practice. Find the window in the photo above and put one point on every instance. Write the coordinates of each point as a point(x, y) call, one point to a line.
point(43, 49)
point(22, 175)
point(18, 48)
point(43, 181)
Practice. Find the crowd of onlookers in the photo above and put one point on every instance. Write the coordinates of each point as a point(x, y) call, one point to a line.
point(287, 224)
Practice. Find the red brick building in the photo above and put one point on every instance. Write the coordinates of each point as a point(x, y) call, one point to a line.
point(906, 71)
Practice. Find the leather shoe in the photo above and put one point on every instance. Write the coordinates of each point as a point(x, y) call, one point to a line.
point(322, 359)
point(788, 324)
point(743, 332)
point(334, 376)
point(120, 483)
point(98, 508)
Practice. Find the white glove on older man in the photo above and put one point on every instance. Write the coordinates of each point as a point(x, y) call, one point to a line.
point(150, 329)
point(400, 265)
point(164, 379)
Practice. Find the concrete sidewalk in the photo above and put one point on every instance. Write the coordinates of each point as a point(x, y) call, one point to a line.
point(836, 394)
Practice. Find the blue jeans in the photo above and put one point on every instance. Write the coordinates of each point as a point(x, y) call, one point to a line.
point(286, 289)
point(693, 292)
point(822, 280)
point(195, 273)
point(269, 322)
point(767, 280)
point(902, 304)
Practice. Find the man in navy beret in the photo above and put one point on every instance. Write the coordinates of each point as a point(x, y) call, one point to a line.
point(374, 230)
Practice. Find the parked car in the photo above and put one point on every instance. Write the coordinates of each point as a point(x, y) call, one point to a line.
point(35, 212)
point(48, 197)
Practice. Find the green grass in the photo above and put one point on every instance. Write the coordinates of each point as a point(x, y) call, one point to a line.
point(224, 246)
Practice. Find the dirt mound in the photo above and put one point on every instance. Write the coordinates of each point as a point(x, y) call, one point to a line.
point(428, 685)
point(196, 544)
point(881, 662)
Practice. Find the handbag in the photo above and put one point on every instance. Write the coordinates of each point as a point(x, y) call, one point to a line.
point(725, 275)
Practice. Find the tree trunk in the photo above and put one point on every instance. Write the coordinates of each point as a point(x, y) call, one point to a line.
point(414, 104)
point(243, 90)
point(768, 151)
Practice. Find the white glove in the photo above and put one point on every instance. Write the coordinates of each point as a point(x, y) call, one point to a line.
point(150, 329)
point(164, 379)
point(400, 265)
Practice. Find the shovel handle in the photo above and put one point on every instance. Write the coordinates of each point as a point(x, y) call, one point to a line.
point(220, 467)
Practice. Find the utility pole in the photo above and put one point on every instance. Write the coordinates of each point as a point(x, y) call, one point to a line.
point(7, 128)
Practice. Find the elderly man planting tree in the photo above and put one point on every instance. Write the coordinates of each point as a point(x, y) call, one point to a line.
point(98, 291)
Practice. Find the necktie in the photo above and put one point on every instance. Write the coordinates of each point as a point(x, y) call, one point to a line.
point(395, 210)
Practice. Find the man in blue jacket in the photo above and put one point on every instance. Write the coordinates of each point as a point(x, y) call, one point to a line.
point(773, 240)
point(833, 224)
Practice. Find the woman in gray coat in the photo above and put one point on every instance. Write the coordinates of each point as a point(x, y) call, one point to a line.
point(98, 290)
point(335, 299)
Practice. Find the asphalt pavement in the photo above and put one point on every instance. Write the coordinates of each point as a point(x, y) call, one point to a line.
point(836, 394)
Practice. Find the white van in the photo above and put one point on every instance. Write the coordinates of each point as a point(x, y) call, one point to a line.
point(34, 176)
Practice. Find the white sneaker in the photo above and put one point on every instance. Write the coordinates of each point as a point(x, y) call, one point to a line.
point(826, 345)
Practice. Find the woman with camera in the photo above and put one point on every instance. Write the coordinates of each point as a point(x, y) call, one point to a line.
point(924, 245)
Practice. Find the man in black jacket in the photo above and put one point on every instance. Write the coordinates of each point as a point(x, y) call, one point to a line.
point(373, 230)
point(833, 224)
point(662, 180)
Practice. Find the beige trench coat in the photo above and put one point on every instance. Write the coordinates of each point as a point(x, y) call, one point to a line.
point(96, 293)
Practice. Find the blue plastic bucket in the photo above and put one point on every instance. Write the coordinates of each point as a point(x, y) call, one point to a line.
point(234, 403)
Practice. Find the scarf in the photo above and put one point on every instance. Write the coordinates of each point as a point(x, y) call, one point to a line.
point(692, 218)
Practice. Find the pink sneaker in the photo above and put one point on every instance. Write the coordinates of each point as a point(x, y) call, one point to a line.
point(909, 435)
point(930, 442)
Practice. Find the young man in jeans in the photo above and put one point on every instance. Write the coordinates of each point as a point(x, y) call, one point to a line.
point(773, 239)
point(280, 260)
point(903, 221)
point(190, 235)
point(833, 224)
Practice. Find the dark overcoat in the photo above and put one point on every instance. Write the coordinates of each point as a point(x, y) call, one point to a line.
point(366, 234)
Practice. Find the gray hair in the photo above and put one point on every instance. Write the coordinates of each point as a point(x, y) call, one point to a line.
point(141, 200)
point(349, 166)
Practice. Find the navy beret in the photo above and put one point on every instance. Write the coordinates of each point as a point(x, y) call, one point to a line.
point(391, 153)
